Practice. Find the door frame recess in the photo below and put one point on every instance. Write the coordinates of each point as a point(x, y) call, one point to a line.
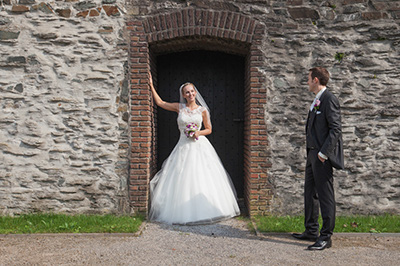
point(196, 29)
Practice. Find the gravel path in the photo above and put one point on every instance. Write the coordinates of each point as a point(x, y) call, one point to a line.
point(225, 243)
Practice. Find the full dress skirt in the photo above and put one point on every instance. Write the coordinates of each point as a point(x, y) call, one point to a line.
point(192, 186)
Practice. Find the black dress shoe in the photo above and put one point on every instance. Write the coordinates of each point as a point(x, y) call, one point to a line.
point(305, 236)
point(321, 244)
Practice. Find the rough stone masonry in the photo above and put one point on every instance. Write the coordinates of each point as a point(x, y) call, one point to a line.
point(65, 110)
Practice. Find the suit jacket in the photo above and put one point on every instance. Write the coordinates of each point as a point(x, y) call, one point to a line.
point(324, 129)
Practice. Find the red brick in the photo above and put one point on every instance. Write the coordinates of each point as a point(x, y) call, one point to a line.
point(235, 21)
point(197, 17)
point(217, 15)
point(163, 22)
point(228, 22)
point(138, 172)
point(210, 18)
point(180, 19)
point(185, 18)
point(222, 20)
point(191, 17)
point(157, 23)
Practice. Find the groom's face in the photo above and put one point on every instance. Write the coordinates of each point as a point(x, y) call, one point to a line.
point(312, 83)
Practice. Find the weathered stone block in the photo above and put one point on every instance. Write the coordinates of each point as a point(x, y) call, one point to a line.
point(46, 36)
point(374, 15)
point(84, 5)
point(66, 13)
point(46, 8)
point(106, 29)
point(349, 2)
point(303, 12)
point(83, 14)
point(379, 5)
point(294, 2)
point(4, 21)
point(94, 13)
point(7, 35)
point(353, 9)
point(133, 11)
point(396, 14)
point(19, 9)
point(393, 6)
point(16, 59)
point(27, 2)
point(226, 6)
point(111, 10)
point(19, 87)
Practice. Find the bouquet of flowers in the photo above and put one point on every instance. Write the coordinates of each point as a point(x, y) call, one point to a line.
point(190, 129)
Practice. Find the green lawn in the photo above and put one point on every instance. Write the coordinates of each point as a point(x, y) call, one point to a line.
point(60, 223)
point(355, 224)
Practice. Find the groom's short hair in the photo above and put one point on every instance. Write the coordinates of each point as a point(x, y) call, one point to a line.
point(321, 73)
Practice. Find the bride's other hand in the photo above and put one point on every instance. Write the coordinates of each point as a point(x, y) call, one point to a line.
point(196, 135)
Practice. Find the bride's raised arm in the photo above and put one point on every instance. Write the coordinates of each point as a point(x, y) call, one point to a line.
point(163, 104)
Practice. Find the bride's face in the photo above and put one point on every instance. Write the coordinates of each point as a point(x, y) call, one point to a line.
point(189, 93)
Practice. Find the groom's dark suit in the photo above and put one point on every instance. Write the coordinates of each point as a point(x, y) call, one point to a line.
point(323, 134)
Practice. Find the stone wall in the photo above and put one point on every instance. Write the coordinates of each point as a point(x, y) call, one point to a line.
point(358, 41)
point(64, 107)
point(64, 131)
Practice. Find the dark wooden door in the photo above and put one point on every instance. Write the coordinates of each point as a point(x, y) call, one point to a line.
point(220, 79)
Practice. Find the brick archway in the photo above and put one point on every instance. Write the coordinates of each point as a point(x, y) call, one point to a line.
point(207, 30)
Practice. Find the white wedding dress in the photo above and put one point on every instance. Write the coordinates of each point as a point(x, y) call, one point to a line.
point(192, 186)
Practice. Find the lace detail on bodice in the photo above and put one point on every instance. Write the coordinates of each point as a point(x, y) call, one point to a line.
point(187, 116)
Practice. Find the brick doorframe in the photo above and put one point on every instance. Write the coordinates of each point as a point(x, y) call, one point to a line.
point(207, 30)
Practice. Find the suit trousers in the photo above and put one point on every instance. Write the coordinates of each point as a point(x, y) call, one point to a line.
point(319, 193)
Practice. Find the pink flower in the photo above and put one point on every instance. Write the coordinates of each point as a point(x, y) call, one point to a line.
point(316, 105)
point(190, 129)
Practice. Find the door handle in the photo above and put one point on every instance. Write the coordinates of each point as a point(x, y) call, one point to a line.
point(238, 120)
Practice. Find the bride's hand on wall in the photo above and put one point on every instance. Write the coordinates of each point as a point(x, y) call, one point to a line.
point(151, 81)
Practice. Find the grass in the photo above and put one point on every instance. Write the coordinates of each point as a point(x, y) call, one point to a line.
point(349, 224)
point(61, 223)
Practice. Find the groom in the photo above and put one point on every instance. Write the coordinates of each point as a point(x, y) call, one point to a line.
point(324, 151)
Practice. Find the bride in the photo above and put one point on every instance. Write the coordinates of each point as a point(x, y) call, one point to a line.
point(192, 186)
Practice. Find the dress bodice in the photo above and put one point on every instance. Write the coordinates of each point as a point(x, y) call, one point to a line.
point(187, 116)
